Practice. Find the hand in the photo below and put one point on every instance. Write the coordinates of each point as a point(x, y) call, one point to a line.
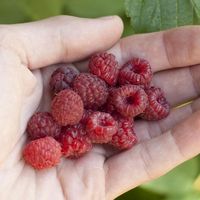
point(31, 46)
point(162, 145)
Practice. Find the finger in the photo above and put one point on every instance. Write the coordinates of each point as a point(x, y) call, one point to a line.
point(60, 39)
point(164, 50)
point(17, 86)
point(179, 85)
point(153, 158)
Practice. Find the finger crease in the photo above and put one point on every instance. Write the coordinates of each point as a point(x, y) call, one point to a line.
point(146, 161)
point(165, 42)
point(182, 156)
point(194, 83)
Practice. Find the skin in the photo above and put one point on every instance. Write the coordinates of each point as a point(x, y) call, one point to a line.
point(101, 174)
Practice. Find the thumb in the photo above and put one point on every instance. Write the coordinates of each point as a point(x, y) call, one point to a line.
point(61, 39)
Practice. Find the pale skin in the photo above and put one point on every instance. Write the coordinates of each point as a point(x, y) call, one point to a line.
point(24, 51)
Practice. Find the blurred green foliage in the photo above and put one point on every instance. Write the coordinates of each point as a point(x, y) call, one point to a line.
point(10, 12)
point(40, 9)
point(16, 11)
point(180, 183)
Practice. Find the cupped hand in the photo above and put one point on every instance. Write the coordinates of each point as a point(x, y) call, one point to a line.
point(24, 51)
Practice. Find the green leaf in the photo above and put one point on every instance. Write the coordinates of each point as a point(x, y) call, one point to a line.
point(178, 181)
point(140, 194)
point(185, 13)
point(196, 4)
point(41, 9)
point(10, 12)
point(197, 184)
point(155, 15)
point(189, 196)
point(128, 29)
point(91, 8)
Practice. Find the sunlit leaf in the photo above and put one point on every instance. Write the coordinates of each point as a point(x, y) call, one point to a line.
point(155, 15)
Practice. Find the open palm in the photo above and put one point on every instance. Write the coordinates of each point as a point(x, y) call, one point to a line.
point(100, 174)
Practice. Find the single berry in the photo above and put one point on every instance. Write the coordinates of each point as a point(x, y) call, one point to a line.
point(42, 153)
point(75, 141)
point(101, 127)
point(158, 107)
point(125, 137)
point(41, 125)
point(93, 90)
point(137, 72)
point(85, 117)
point(105, 66)
point(129, 100)
point(67, 107)
point(62, 78)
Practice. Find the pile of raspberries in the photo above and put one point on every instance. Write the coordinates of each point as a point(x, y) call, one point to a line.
point(94, 107)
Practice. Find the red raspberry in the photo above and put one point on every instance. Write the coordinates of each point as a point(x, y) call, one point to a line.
point(41, 125)
point(62, 78)
point(158, 107)
point(125, 137)
point(101, 127)
point(105, 66)
point(137, 72)
point(75, 141)
point(92, 90)
point(86, 115)
point(109, 106)
point(42, 153)
point(129, 100)
point(67, 107)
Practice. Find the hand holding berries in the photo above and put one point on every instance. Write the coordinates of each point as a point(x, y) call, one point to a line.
point(96, 107)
